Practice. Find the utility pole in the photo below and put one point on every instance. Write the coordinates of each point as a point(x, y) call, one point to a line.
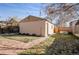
point(41, 7)
point(0, 17)
point(40, 13)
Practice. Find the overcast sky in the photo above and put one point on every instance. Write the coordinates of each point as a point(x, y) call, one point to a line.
point(20, 10)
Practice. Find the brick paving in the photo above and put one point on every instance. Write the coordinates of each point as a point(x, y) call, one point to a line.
point(11, 47)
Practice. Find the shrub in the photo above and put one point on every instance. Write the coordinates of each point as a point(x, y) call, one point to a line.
point(70, 33)
point(23, 34)
point(19, 33)
point(27, 34)
point(33, 34)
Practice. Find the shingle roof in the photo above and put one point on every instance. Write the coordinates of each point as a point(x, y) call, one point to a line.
point(74, 22)
point(3, 21)
point(77, 23)
point(27, 18)
point(37, 18)
point(12, 20)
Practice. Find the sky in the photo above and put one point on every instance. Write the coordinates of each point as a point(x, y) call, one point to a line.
point(20, 10)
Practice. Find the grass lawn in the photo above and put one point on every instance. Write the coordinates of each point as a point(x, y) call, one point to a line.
point(62, 42)
point(64, 36)
point(38, 49)
point(23, 38)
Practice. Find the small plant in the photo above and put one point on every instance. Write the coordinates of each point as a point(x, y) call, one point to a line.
point(23, 34)
point(27, 34)
point(33, 34)
point(70, 33)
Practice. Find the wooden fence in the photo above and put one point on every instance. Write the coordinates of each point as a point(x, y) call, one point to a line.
point(58, 29)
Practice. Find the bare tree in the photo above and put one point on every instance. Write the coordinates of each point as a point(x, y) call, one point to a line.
point(62, 12)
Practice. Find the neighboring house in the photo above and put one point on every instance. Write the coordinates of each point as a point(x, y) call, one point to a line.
point(3, 25)
point(75, 26)
point(12, 22)
point(36, 25)
point(13, 25)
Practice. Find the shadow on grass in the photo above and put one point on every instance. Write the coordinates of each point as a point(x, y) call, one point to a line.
point(64, 44)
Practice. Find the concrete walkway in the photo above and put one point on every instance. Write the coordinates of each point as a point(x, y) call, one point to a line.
point(77, 35)
point(11, 47)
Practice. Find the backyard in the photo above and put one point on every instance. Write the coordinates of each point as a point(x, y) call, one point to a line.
point(18, 37)
point(12, 43)
point(55, 45)
point(38, 49)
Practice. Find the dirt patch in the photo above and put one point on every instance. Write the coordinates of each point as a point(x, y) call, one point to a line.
point(12, 46)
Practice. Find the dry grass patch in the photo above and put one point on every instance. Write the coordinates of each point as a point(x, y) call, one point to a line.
point(23, 38)
point(38, 49)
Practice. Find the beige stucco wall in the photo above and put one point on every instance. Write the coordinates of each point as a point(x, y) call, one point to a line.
point(49, 28)
point(43, 28)
point(33, 27)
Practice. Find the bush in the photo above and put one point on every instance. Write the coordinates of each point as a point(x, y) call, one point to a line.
point(70, 33)
point(27, 34)
point(33, 34)
point(23, 34)
point(19, 33)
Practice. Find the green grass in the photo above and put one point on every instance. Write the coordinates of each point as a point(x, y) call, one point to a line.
point(64, 36)
point(23, 38)
point(53, 46)
point(38, 49)
point(64, 44)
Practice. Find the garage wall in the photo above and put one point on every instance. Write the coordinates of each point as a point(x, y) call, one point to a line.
point(49, 28)
point(33, 27)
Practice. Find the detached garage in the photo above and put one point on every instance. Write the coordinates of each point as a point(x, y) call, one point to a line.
point(36, 25)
